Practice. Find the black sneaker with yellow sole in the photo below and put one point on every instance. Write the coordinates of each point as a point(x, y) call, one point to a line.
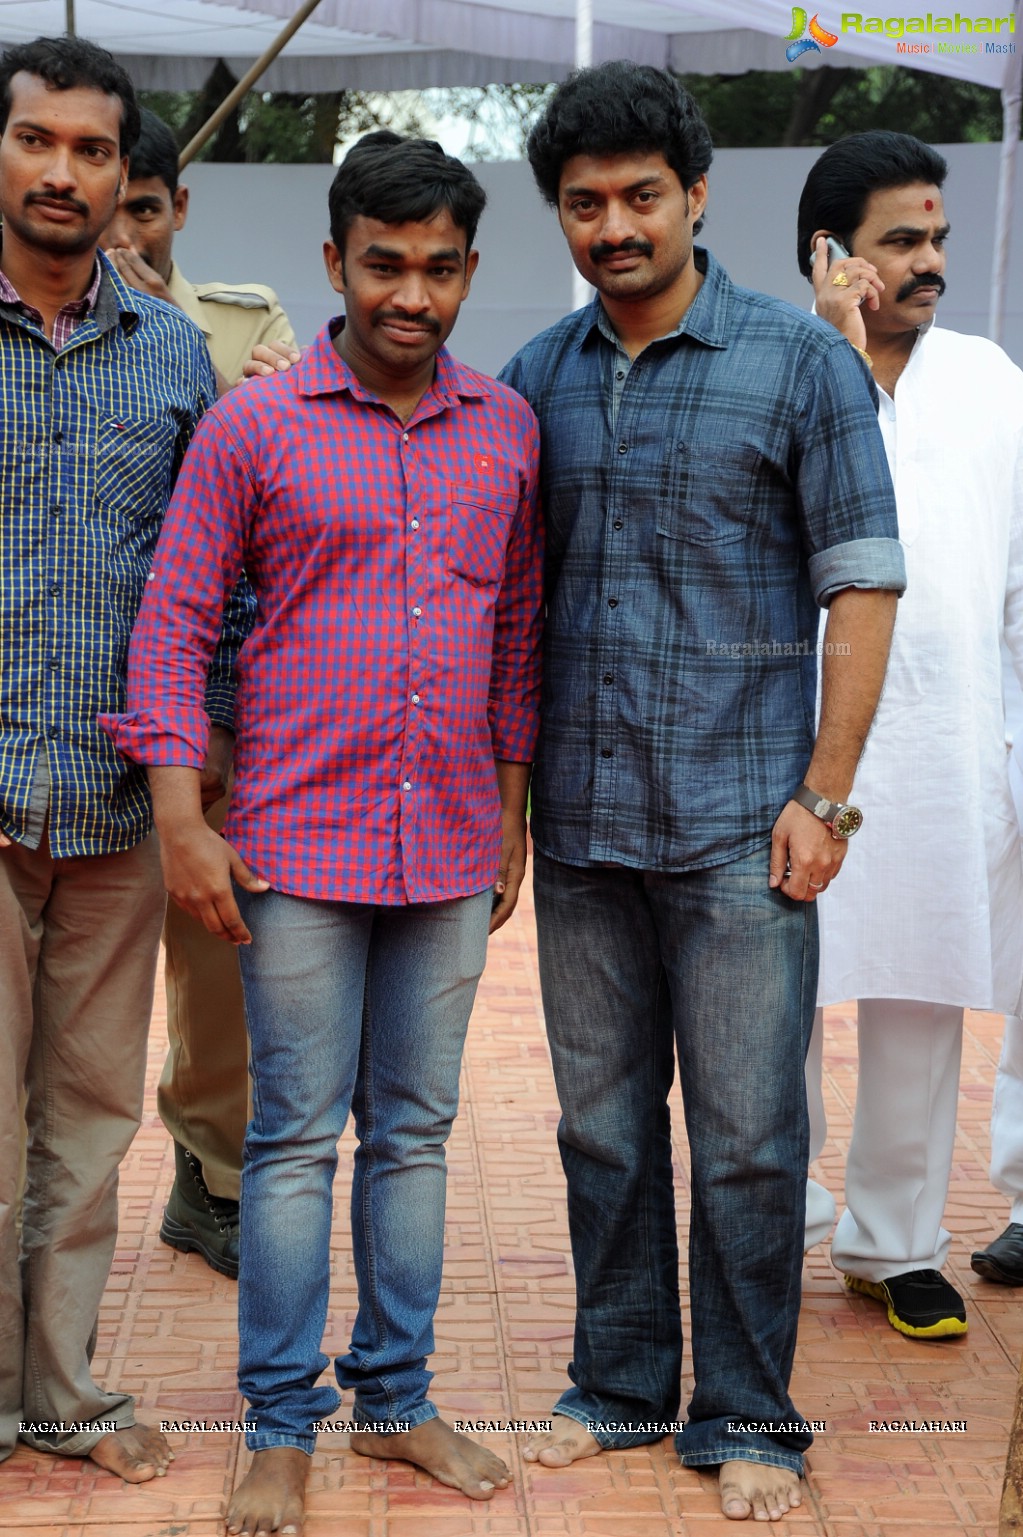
point(920, 1303)
point(198, 1222)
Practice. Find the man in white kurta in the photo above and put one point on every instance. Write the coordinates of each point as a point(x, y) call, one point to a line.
point(929, 917)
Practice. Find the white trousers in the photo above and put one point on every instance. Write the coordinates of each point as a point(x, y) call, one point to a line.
point(1007, 1119)
point(820, 1203)
point(903, 1137)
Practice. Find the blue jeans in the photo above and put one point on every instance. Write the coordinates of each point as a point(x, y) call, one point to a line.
point(635, 965)
point(348, 1005)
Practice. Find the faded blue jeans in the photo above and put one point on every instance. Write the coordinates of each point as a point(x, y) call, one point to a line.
point(635, 966)
point(361, 1007)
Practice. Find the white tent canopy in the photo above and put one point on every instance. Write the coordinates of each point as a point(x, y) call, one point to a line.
point(397, 44)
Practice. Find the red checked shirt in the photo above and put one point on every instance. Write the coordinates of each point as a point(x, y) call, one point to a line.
point(396, 648)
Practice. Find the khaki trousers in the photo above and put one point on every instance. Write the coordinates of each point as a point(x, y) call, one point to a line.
point(204, 1097)
point(78, 947)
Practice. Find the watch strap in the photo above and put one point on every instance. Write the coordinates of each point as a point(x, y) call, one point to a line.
point(818, 804)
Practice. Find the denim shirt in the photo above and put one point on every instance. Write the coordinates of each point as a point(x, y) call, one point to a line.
point(742, 483)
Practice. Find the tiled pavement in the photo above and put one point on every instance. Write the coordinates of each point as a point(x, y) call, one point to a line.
point(504, 1334)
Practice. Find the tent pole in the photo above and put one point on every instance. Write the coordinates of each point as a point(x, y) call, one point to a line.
point(1002, 235)
point(245, 84)
point(581, 290)
point(583, 34)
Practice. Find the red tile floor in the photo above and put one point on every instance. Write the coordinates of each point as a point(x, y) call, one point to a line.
point(504, 1333)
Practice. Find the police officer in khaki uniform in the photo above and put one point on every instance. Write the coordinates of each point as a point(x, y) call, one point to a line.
point(203, 1094)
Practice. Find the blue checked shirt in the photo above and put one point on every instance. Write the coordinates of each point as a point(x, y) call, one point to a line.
point(691, 535)
point(91, 437)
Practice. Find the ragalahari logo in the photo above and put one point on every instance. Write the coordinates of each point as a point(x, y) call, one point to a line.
point(799, 44)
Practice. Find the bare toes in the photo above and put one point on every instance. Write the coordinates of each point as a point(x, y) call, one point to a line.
point(566, 1443)
point(137, 1453)
point(760, 1490)
point(271, 1496)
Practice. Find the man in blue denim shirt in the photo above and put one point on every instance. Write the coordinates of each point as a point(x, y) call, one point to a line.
point(712, 473)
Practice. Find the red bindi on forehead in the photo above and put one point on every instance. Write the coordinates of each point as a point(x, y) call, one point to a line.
point(928, 203)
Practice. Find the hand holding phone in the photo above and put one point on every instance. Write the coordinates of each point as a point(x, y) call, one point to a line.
point(843, 286)
point(836, 251)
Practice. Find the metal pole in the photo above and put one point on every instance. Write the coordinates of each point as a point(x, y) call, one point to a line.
point(1002, 234)
point(582, 293)
point(69, 17)
point(245, 84)
point(583, 34)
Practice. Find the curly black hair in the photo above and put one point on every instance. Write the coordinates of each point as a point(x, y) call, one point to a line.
point(615, 109)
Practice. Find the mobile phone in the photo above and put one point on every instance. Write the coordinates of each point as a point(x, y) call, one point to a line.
point(836, 251)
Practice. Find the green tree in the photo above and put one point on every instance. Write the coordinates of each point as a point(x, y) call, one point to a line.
point(762, 109)
point(277, 126)
point(759, 109)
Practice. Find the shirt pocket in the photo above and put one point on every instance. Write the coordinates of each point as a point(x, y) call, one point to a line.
point(479, 527)
point(133, 456)
point(708, 489)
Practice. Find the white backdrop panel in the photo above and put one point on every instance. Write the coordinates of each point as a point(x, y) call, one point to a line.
point(266, 224)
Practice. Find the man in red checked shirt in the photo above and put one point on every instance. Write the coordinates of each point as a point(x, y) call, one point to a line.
point(382, 499)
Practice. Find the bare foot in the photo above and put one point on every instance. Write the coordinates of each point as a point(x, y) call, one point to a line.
point(757, 1489)
point(566, 1443)
point(135, 1454)
point(271, 1496)
point(450, 1457)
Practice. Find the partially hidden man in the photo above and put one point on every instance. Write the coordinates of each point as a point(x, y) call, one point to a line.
point(382, 499)
point(929, 925)
point(712, 472)
point(203, 1095)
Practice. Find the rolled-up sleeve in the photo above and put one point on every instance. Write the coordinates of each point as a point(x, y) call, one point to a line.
point(877, 563)
point(844, 487)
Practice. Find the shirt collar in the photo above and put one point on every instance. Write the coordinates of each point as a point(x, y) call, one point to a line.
point(322, 372)
point(9, 295)
point(706, 319)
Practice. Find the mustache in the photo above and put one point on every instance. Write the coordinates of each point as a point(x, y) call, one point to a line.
point(603, 249)
point(425, 322)
point(924, 280)
point(56, 197)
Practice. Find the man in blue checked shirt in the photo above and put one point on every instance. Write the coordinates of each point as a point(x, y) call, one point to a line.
point(711, 473)
point(101, 389)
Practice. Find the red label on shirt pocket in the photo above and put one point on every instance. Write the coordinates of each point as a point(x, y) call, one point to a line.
point(483, 462)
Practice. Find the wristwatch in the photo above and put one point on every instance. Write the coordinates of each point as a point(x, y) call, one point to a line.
point(843, 820)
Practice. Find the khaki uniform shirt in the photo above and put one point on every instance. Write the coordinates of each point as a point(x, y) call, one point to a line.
point(234, 318)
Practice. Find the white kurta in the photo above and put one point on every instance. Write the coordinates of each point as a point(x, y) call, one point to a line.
point(929, 903)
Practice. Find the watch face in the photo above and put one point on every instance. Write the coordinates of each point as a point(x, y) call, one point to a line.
point(848, 821)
